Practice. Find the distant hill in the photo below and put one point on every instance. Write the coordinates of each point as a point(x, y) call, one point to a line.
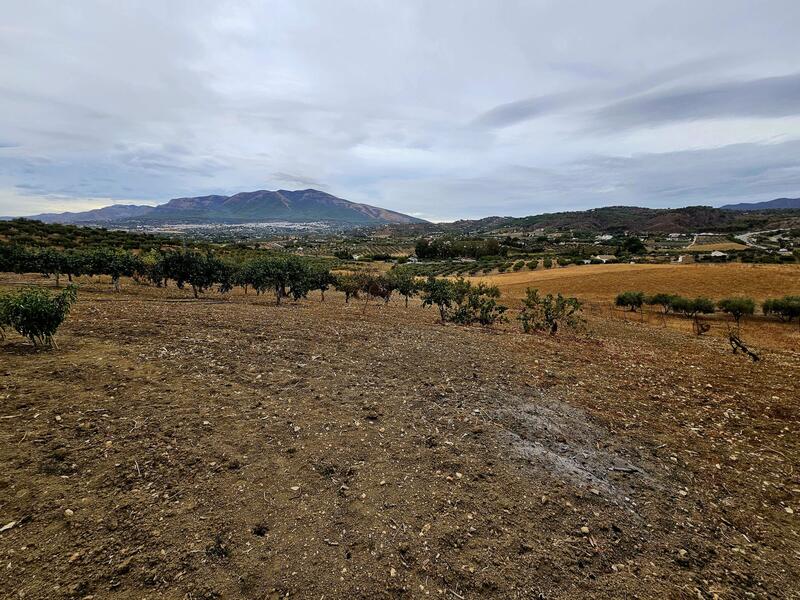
point(777, 204)
point(618, 219)
point(263, 205)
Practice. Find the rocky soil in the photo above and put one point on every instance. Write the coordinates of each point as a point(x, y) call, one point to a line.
point(228, 448)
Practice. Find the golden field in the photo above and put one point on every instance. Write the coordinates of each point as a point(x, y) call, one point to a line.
point(600, 283)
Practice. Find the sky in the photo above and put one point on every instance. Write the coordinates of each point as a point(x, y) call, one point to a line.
point(440, 109)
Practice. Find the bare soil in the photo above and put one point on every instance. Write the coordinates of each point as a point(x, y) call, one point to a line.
point(229, 448)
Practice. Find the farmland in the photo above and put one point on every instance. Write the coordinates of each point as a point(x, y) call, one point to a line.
point(228, 447)
point(603, 282)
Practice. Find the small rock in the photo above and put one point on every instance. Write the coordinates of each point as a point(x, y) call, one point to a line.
point(69, 513)
point(584, 530)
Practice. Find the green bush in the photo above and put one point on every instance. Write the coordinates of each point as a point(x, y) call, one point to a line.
point(661, 299)
point(631, 300)
point(461, 302)
point(547, 313)
point(35, 313)
point(786, 308)
point(737, 307)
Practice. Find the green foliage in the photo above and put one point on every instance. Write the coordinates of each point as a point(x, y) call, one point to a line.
point(630, 299)
point(547, 263)
point(737, 307)
point(532, 264)
point(350, 284)
point(35, 313)
point(633, 245)
point(548, 313)
point(461, 302)
point(404, 281)
point(661, 299)
point(786, 308)
point(691, 307)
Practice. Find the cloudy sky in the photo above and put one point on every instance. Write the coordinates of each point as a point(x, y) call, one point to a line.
point(441, 109)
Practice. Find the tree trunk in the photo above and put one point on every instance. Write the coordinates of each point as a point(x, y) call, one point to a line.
point(323, 295)
point(58, 278)
point(194, 291)
point(115, 281)
point(406, 301)
point(278, 294)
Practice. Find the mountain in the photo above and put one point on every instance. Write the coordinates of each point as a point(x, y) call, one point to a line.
point(777, 204)
point(618, 219)
point(115, 212)
point(261, 206)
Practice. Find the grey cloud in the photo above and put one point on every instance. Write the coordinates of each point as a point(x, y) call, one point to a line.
point(378, 101)
point(768, 97)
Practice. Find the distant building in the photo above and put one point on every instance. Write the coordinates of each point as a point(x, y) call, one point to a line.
point(604, 238)
point(604, 258)
point(413, 259)
point(718, 254)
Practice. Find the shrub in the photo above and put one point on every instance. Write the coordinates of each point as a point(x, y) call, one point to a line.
point(518, 265)
point(461, 302)
point(631, 300)
point(786, 308)
point(661, 299)
point(547, 313)
point(737, 307)
point(532, 264)
point(547, 263)
point(36, 314)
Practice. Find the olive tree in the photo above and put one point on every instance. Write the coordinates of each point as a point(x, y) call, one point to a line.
point(737, 307)
point(631, 300)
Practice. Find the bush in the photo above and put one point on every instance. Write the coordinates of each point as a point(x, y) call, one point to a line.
point(691, 307)
point(532, 264)
point(547, 313)
point(737, 307)
point(547, 263)
point(36, 314)
point(786, 308)
point(461, 302)
point(631, 300)
point(663, 300)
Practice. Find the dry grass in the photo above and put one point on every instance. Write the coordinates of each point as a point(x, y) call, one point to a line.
point(721, 246)
point(598, 285)
point(601, 283)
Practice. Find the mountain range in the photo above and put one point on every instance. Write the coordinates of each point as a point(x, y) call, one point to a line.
point(777, 204)
point(299, 206)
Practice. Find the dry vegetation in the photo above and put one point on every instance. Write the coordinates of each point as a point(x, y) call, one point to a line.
point(229, 448)
point(603, 282)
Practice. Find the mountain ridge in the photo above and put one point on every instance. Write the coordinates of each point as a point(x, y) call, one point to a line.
point(296, 206)
point(777, 204)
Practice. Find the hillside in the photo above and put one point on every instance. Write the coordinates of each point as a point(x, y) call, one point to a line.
point(618, 219)
point(777, 204)
point(263, 205)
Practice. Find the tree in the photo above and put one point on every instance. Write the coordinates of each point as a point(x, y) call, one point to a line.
point(321, 279)
point(631, 300)
point(377, 286)
point(693, 308)
point(633, 245)
point(112, 261)
point(547, 263)
point(404, 281)
point(737, 307)
point(786, 308)
point(36, 314)
point(661, 299)
point(547, 313)
point(440, 293)
point(349, 284)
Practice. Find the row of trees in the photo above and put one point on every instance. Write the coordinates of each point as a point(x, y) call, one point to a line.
point(786, 308)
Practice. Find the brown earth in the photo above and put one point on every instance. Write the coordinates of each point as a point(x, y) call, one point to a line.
point(229, 448)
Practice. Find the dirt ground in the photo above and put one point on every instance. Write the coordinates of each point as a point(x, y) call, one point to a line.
point(229, 448)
